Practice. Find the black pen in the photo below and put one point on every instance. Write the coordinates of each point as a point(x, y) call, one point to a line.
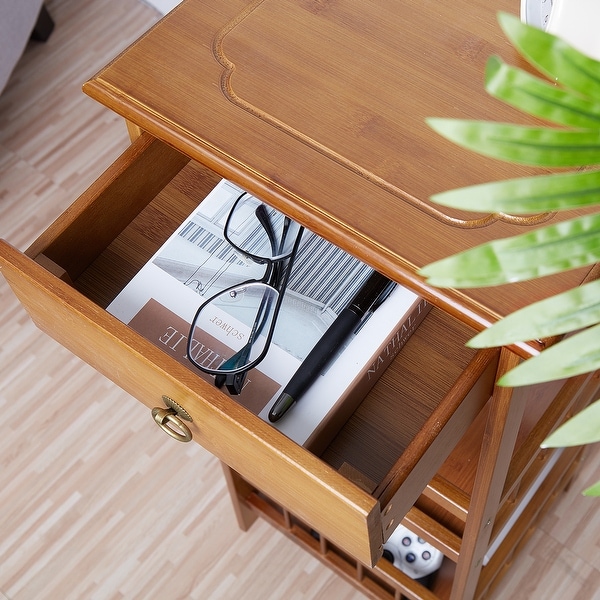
point(371, 294)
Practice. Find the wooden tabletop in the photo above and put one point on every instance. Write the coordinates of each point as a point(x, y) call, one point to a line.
point(319, 107)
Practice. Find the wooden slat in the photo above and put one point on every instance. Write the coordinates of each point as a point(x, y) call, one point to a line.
point(498, 442)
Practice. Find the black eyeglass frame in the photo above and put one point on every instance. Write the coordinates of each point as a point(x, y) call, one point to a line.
point(276, 277)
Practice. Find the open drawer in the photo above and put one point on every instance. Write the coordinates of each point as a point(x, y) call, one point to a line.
point(78, 265)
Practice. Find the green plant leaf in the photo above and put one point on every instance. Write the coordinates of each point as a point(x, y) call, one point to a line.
point(572, 103)
point(583, 428)
point(543, 193)
point(594, 490)
point(540, 252)
point(538, 97)
point(569, 311)
point(574, 355)
point(536, 146)
point(554, 57)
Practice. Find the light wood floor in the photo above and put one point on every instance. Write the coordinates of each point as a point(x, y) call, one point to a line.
point(95, 501)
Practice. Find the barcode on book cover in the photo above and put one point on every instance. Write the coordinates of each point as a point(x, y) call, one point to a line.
point(322, 272)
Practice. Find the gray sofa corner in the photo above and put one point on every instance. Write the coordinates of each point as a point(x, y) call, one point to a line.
point(20, 20)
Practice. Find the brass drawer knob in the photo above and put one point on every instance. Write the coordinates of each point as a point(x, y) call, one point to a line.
point(170, 420)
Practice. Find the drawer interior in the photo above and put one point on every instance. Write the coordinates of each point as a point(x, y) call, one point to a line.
point(403, 399)
point(399, 404)
point(111, 271)
point(113, 230)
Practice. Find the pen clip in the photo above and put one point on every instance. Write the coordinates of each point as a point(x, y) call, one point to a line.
point(389, 288)
point(383, 296)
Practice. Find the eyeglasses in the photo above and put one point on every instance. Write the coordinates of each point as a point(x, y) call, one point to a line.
point(243, 316)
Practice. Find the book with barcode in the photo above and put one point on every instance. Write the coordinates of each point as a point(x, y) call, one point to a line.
point(196, 262)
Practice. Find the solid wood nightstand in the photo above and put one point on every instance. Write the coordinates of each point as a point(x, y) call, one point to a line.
point(318, 107)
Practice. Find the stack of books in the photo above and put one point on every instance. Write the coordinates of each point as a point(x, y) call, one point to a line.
point(196, 262)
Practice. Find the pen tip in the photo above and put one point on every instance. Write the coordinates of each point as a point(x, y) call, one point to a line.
point(281, 406)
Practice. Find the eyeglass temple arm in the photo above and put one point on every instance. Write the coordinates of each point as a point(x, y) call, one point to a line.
point(263, 218)
point(234, 381)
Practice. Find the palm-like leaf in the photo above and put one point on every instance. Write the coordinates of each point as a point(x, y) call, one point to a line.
point(593, 490)
point(538, 97)
point(574, 105)
point(570, 311)
point(544, 251)
point(536, 146)
point(559, 61)
point(572, 356)
point(583, 428)
point(544, 193)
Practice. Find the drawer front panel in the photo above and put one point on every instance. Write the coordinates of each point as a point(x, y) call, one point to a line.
point(289, 474)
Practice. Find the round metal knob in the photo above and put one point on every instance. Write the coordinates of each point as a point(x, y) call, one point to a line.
point(170, 420)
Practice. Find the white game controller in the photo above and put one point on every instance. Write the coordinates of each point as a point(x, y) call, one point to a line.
point(412, 554)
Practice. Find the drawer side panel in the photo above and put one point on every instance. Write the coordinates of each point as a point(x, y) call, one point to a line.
point(95, 219)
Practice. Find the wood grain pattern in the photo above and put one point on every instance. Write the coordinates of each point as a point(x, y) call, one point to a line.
point(95, 501)
point(266, 83)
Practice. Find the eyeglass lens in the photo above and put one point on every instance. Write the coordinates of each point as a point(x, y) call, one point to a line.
point(241, 318)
